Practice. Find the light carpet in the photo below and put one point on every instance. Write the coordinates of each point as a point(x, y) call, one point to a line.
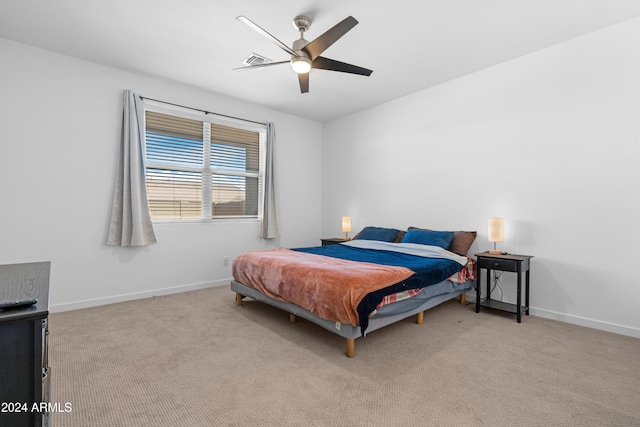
point(196, 359)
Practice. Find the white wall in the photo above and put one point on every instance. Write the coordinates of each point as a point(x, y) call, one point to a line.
point(58, 143)
point(550, 142)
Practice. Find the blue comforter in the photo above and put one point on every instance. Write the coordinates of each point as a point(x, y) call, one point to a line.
point(427, 271)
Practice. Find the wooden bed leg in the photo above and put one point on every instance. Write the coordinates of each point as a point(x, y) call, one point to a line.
point(351, 347)
point(292, 318)
point(238, 299)
point(462, 298)
point(420, 318)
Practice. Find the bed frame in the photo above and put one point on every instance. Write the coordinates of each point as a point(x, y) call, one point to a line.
point(344, 330)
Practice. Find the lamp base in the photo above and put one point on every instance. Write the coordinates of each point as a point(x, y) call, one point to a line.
point(494, 252)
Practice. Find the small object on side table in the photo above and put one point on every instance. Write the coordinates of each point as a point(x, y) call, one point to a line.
point(503, 262)
point(334, 241)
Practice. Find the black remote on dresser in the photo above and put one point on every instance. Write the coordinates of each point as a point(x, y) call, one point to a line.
point(7, 305)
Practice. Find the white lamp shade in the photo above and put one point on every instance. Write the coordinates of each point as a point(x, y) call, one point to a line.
point(496, 229)
point(346, 224)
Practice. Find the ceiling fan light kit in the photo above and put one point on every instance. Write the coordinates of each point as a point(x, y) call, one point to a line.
point(301, 64)
point(306, 55)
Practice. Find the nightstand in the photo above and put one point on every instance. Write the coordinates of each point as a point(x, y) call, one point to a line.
point(512, 263)
point(333, 241)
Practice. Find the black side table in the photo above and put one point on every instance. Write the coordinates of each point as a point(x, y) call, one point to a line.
point(513, 263)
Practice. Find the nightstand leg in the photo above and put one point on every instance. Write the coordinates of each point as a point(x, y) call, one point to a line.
point(519, 305)
point(478, 287)
point(488, 284)
point(526, 292)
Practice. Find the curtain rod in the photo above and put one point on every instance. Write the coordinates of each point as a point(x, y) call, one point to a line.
point(203, 111)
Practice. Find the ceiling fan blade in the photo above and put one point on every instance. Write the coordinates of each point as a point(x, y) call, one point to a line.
point(265, 34)
point(253, 67)
point(303, 79)
point(320, 44)
point(323, 63)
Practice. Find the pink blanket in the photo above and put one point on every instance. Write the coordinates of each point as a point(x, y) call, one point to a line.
point(330, 288)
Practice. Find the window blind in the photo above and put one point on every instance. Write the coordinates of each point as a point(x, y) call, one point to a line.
point(201, 170)
point(235, 170)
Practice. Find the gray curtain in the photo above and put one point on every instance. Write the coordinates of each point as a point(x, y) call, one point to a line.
point(130, 218)
point(270, 220)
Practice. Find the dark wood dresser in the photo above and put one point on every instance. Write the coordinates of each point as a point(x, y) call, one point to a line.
point(24, 368)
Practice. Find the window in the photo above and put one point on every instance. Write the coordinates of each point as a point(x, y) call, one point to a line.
point(201, 168)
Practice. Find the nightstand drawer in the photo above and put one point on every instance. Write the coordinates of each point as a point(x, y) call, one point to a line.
point(334, 241)
point(498, 264)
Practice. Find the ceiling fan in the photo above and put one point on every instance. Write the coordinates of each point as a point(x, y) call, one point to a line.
point(305, 55)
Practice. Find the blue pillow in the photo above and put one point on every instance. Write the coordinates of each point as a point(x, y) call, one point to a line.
point(378, 233)
point(429, 237)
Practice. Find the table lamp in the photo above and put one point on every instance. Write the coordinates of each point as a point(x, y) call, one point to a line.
point(496, 233)
point(346, 225)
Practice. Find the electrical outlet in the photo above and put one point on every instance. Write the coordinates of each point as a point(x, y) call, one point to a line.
point(225, 261)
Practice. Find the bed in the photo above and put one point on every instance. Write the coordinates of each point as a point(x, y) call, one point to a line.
point(353, 288)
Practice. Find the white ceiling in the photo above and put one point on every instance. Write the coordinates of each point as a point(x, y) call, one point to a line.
point(409, 44)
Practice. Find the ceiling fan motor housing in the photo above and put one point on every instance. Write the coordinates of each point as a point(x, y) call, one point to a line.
point(302, 62)
point(299, 44)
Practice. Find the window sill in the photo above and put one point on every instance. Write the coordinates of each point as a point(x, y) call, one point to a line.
point(207, 221)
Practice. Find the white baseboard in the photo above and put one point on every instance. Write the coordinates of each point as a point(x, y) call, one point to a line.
point(55, 308)
point(589, 323)
point(576, 320)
